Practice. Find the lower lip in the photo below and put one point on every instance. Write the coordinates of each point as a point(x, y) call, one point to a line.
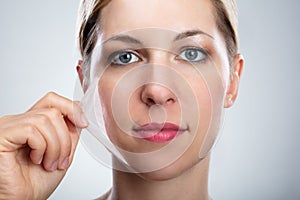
point(164, 136)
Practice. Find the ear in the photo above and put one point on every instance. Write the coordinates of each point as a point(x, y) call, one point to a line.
point(79, 70)
point(235, 76)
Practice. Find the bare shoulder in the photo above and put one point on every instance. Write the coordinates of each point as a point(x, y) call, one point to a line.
point(105, 196)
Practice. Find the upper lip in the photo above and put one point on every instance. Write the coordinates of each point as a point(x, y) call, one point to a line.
point(159, 127)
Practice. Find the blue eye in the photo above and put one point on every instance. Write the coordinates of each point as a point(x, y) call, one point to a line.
point(124, 58)
point(193, 55)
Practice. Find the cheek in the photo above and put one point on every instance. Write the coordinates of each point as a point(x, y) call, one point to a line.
point(209, 91)
point(204, 101)
point(106, 86)
point(105, 94)
point(119, 113)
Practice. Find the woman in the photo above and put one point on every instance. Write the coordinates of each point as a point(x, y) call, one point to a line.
point(195, 45)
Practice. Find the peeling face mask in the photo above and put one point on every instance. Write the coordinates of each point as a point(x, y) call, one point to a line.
point(153, 96)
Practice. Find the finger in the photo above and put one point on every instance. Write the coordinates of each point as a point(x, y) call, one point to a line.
point(67, 136)
point(52, 128)
point(64, 136)
point(66, 106)
point(45, 126)
point(16, 137)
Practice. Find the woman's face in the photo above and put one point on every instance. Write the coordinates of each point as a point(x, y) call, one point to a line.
point(163, 83)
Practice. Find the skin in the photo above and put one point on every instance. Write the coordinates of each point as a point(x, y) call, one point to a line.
point(37, 147)
point(188, 169)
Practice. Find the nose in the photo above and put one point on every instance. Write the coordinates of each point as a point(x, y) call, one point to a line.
point(153, 93)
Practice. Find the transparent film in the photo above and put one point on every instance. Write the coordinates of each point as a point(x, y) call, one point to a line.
point(151, 97)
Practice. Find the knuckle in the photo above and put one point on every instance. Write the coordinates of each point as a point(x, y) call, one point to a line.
point(43, 120)
point(54, 112)
point(50, 95)
point(29, 129)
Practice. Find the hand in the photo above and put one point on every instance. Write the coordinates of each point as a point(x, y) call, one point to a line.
point(37, 147)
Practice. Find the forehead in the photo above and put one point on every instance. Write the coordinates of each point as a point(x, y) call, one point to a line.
point(176, 15)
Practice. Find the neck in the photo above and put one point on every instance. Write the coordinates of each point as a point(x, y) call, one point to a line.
point(191, 184)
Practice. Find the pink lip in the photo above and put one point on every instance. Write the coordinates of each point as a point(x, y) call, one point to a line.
point(155, 132)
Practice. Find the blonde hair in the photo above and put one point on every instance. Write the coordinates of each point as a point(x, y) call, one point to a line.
point(89, 25)
point(227, 21)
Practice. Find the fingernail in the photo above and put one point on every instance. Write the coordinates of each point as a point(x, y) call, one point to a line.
point(84, 120)
point(40, 160)
point(65, 163)
point(54, 166)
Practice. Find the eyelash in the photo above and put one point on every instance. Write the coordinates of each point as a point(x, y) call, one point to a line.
point(197, 49)
point(114, 58)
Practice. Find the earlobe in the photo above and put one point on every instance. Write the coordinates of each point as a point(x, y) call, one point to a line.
point(235, 76)
point(80, 71)
point(228, 101)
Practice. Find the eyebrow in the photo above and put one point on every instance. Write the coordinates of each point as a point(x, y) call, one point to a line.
point(124, 38)
point(180, 36)
point(191, 33)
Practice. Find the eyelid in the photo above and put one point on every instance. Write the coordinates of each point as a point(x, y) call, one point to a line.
point(202, 50)
point(112, 56)
point(205, 52)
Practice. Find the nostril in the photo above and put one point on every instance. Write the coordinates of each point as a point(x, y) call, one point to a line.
point(170, 101)
point(150, 101)
point(152, 94)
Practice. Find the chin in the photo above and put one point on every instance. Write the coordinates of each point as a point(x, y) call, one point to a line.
point(174, 170)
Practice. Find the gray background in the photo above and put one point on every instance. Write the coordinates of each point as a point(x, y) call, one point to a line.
point(257, 156)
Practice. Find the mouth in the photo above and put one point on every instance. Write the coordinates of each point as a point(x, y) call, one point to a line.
point(159, 133)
